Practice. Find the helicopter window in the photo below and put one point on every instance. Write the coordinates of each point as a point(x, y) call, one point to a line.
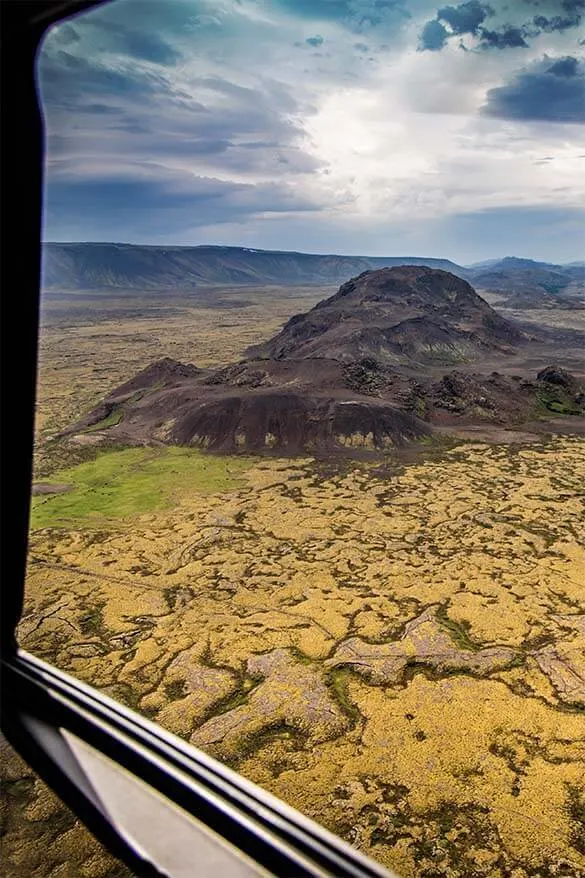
point(311, 298)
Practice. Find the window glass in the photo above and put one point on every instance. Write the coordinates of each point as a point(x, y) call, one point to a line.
point(336, 547)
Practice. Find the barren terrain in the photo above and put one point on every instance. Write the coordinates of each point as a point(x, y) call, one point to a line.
point(396, 647)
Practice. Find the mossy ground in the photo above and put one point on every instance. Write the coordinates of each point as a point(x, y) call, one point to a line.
point(163, 580)
point(167, 608)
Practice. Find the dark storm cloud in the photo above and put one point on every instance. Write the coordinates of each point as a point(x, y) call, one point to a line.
point(550, 25)
point(568, 66)
point(434, 36)
point(568, 15)
point(549, 90)
point(469, 18)
point(465, 18)
point(452, 21)
point(242, 116)
point(507, 38)
point(128, 109)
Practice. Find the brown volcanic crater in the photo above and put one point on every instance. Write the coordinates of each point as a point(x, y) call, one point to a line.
point(357, 371)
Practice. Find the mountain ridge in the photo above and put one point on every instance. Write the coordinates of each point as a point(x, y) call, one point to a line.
point(101, 265)
point(94, 266)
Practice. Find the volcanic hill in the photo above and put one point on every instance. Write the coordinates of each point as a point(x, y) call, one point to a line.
point(362, 369)
point(396, 315)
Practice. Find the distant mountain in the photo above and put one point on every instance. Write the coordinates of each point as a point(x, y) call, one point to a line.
point(525, 283)
point(99, 266)
point(515, 263)
point(396, 315)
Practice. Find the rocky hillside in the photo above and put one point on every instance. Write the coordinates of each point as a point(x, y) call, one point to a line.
point(350, 375)
point(396, 315)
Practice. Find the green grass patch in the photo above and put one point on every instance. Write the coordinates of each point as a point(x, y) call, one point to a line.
point(112, 420)
point(558, 402)
point(123, 483)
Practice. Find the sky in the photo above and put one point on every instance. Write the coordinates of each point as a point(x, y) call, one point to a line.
point(375, 127)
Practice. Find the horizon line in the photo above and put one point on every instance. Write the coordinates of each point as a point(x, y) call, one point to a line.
point(298, 252)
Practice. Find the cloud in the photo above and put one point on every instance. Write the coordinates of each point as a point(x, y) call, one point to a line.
point(551, 90)
point(568, 15)
point(556, 23)
point(148, 199)
point(357, 16)
point(165, 20)
point(507, 38)
point(225, 121)
point(102, 110)
point(65, 78)
point(434, 36)
point(465, 18)
point(566, 67)
point(107, 106)
point(66, 34)
point(512, 26)
point(144, 45)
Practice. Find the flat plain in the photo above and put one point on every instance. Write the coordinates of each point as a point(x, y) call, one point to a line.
point(394, 646)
